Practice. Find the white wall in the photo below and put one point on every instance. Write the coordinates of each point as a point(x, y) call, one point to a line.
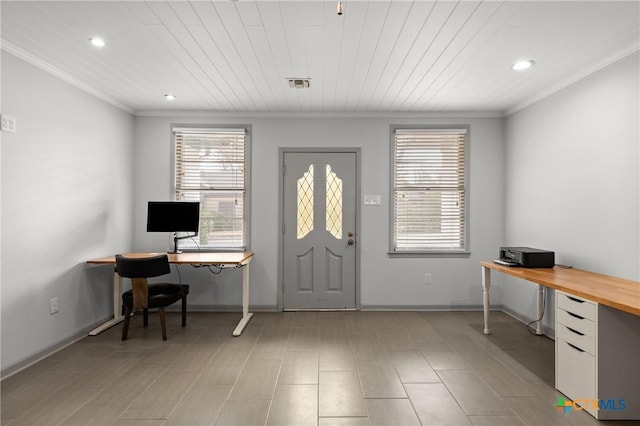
point(385, 282)
point(572, 165)
point(66, 197)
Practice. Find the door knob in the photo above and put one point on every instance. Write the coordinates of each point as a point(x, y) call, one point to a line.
point(350, 242)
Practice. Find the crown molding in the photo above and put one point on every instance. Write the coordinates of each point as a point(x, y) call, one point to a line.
point(57, 72)
point(610, 60)
point(333, 115)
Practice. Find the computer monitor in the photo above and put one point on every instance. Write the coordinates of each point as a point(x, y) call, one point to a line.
point(174, 216)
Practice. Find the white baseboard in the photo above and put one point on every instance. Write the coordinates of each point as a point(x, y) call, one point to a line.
point(419, 308)
point(546, 331)
point(48, 351)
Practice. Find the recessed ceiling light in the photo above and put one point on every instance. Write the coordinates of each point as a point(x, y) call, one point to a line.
point(169, 97)
point(97, 41)
point(522, 65)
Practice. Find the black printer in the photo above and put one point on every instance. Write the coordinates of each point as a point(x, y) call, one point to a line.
point(526, 257)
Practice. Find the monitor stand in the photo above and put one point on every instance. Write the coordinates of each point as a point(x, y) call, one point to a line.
point(175, 241)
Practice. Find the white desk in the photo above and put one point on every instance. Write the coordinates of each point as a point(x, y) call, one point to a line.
point(222, 260)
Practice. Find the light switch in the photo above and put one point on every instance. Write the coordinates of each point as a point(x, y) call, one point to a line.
point(372, 200)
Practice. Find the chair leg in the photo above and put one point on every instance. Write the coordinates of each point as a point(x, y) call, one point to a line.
point(145, 317)
point(184, 310)
point(162, 324)
point(125, 326)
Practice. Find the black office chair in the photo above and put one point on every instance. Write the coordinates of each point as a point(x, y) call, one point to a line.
point(143, 295)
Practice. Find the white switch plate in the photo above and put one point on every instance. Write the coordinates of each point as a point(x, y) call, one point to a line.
point(53, 306)
point(8, 124)
point(372, 200)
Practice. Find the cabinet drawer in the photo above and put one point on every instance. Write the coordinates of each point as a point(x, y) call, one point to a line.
point(577, 339)
point(577, 305)
point(575, 372)
point(576, 322)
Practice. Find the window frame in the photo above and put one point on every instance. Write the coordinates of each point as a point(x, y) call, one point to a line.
point(438, 251)
point(246, 236)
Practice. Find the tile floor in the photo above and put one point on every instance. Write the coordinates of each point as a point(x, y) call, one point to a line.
point(298, 368)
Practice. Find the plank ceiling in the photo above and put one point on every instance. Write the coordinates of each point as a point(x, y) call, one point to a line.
point(379, 56)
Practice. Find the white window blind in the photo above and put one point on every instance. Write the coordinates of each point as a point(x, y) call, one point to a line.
point(211, 166)
point(429, 181)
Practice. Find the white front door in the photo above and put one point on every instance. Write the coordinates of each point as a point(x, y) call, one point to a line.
point(319, 224)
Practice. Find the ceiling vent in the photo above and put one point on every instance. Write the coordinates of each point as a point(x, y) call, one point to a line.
point(299, 83)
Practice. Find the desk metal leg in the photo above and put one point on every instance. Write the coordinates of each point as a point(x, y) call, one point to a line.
point(486, 284)
point(540, 309)
point(246, 315)
point(117, 307)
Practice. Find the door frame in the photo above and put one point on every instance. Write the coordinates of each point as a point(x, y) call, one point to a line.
point(290, 150)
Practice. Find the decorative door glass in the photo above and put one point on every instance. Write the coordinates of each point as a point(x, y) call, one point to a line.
point(305, 203)
point(334, 203)
point(333, 206)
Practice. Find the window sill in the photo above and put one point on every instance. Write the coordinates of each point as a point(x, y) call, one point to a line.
point(451, 253)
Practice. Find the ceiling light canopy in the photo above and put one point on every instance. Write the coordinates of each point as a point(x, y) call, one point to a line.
point(97, 41)
point(522, 65)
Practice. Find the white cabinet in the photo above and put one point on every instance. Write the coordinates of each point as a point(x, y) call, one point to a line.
point(598, 357)
point(575, 349)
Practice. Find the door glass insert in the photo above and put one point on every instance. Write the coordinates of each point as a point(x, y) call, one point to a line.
point(334, 204)
point(305, 203)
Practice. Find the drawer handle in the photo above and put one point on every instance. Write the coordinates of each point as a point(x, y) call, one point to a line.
point(574, 331)
point(574, 347)
point(575, 300)
point(575, 315)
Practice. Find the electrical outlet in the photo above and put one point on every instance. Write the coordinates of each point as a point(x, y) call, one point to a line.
point(427, 279)
point(8, 124)
point(53, 306)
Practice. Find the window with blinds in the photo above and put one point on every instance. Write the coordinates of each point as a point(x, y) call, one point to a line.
point(429, 190)
point(212, 167)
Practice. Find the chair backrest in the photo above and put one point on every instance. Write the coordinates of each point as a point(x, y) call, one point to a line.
point(142, 267)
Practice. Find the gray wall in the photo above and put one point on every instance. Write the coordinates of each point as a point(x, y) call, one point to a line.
point(385, 282)
point(66, 197)
point(572, 163)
